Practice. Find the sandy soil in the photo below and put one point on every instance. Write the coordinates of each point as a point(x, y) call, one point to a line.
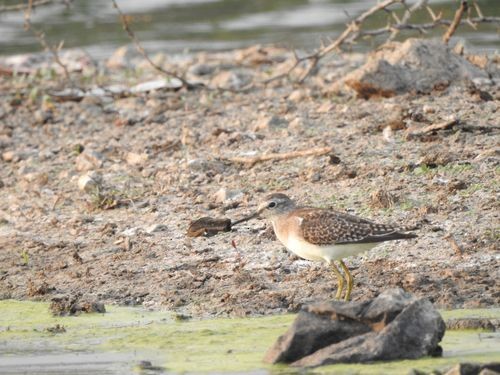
point(159, 160)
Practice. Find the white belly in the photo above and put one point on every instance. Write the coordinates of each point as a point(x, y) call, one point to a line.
point(325, 253)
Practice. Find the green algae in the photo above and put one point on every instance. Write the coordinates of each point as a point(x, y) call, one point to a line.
point(211, 345)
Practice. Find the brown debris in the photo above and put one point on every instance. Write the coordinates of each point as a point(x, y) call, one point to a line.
point(445, 125)
point(381, 198)
point(62, 305)
point(207, 226)
point(454, 245)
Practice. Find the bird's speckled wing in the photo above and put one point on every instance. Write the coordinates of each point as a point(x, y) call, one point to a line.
point(328, 227)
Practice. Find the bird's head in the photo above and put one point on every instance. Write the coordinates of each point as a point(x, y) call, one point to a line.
point(275, 204)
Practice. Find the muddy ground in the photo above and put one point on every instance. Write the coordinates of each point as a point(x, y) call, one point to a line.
point(158, 159)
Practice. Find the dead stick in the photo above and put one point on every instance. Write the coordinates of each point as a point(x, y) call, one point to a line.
point(456, 21)
point(284, 156)
point(439, 126)
point(34, 4)
point(142, 51)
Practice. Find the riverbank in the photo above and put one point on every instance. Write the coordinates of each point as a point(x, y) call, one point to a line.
point(97, 191)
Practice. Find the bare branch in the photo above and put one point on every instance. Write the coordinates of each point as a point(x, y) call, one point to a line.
point(40, 35)
point(353, 27)
point(142, 51)
point(406, 17)
point(353, 31)
point(30, 5)
point(456, 21)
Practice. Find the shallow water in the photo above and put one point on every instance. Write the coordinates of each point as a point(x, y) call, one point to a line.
point(180, 25)
point(115, 343)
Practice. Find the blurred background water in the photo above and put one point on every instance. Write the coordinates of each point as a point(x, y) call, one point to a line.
point(193, 25)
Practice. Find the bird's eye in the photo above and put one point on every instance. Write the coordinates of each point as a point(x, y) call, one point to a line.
point(271, 204)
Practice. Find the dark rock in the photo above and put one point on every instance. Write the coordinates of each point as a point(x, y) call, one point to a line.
point(474, 369)
point(313, 329)
point(394, 325)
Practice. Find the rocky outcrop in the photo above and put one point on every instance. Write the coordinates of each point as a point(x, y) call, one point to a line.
point(394, 325)
point(416, 65)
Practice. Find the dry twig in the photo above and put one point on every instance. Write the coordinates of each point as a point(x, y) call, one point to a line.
point(354, 32)
point(251, 161)
point(456, 21)
point(30, 5)
point(142, 51)
point(434, 127)
point(40, 35)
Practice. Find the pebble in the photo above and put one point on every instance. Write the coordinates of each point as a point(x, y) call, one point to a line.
point(224, 195)
point(89, 160)
point(155, 228)
point(133, 158)
point(231, 80)
point(270, 122)
point(298, 124)
point(37, 178)
point(201, 69)
point(89, 182)
point(9, 156)
point(325, 107)
point(204, 165)
point(299, 95)
point(428, 109)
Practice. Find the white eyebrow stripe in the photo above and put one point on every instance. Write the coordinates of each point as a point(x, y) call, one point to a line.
point(300, 220)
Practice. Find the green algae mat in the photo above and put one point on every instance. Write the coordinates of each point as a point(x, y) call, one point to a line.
point(124, 340)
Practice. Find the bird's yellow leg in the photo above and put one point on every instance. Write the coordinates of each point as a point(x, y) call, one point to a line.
point(349, 278)
point(340, 281)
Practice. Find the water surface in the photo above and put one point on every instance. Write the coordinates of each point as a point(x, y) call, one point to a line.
point(194, 25)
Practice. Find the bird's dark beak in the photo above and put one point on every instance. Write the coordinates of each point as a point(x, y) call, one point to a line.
point(246, 218)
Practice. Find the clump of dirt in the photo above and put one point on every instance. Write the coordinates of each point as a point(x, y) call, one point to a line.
point(110, 226)
point(63, 305)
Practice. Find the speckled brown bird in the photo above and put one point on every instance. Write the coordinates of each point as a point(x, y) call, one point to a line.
point(326, 235)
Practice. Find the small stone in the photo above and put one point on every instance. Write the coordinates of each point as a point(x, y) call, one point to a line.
point(203, 165)
point(89, 160)
point(155, 228)
point(299, 95)
point(270, 122)
point(231, 80)
point(483, 81)
point(396, 117)
point(224, 195)
point(201, 69)
point(325, 107)
point(133, 158)
point(89, 182)
point(298, 124)
point(36, 178)
point(428, 109)
point(42, 117)
point(388, 134)
point(9, 156)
